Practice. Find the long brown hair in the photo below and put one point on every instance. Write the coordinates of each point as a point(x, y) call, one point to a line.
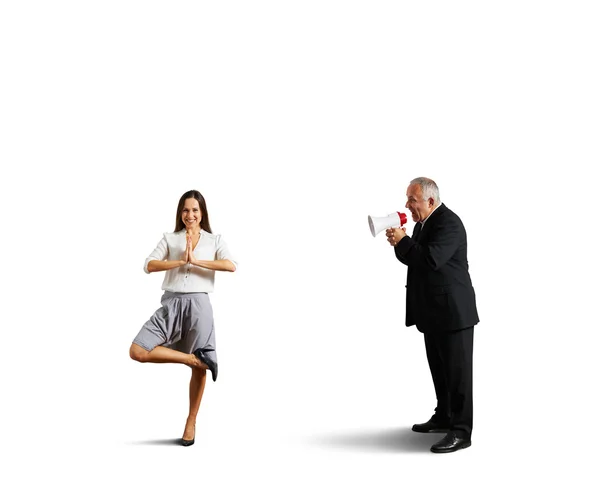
point(204, 223)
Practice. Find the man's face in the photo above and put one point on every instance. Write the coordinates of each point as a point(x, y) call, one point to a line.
point(419, 207)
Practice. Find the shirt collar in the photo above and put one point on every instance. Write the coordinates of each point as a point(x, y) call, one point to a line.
point(183, 231)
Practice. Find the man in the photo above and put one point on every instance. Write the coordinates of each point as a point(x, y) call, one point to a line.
point(440, 301)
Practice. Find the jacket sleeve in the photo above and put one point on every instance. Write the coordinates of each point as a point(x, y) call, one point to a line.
point(399, 255)
point(443, 243)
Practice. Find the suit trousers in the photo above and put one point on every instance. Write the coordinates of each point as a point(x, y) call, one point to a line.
point(450, 357)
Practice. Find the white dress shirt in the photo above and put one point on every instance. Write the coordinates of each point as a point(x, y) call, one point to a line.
point(189, 278)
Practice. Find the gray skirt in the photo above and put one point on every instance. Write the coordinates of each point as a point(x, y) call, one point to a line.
point(184, 323)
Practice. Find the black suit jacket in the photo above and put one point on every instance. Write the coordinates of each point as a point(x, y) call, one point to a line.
point(439, 293)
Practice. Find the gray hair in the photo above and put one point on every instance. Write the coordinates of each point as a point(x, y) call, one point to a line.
point(428, 187)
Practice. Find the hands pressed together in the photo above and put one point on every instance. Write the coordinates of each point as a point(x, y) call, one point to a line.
point(215, 265)
point(394, 235)
point(188, 255)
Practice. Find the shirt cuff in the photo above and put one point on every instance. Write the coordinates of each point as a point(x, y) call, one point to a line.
point(146, 264)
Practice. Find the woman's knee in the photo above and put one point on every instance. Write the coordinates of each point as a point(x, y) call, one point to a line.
point(198, 373)
point(137, 353)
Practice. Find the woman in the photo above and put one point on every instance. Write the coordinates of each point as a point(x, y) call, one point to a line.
point(182, 330)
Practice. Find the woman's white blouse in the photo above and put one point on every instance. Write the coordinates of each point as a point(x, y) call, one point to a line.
point(189, 278)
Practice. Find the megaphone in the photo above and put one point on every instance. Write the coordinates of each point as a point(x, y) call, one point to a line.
point(393, 220)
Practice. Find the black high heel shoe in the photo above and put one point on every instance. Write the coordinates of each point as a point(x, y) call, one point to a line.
point(186, 442)
point(214, 369)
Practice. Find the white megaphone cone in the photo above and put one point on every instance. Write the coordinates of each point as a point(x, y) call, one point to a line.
point(393, 220)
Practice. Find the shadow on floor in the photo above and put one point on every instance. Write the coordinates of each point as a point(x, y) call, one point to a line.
point(157, 442)
point(387, 440)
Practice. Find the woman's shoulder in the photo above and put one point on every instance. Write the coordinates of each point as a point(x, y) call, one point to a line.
point(214, 238)
point(170, 235)
point(210, 236)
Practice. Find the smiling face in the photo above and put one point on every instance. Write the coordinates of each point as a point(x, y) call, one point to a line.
point(191, 214)
point(420, 207)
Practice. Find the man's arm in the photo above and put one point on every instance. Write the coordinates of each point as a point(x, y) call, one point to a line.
point(399, 255)
point(443, 243)
point(392, 237)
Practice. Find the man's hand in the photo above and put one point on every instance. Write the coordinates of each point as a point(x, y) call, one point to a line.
point(394, 235)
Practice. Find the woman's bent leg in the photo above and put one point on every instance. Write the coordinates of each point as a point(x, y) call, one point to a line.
point(160, 354)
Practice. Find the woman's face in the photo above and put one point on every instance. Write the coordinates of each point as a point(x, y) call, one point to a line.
point(191, 214)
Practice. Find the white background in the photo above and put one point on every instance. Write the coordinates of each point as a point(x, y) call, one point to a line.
point(296, 120)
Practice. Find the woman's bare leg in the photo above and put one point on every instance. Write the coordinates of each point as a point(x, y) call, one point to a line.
point(197, 383)
point(160, 354)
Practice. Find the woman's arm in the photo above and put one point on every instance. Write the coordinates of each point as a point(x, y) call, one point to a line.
point(156, 265)
point(216, 265)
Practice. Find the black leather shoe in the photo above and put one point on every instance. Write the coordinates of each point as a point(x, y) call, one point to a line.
point(432, 426)
point(214, 369)
point(452, 442)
